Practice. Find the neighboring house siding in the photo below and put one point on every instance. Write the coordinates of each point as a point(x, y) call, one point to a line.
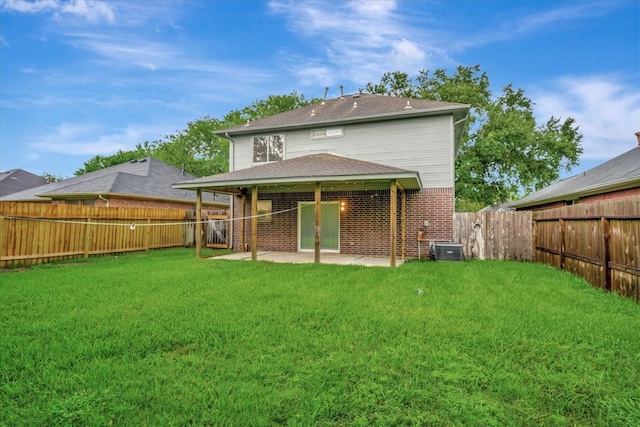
point(632, 192)
point(420, 144)
point(622, 194)
point(115, 202)
point(364, 225)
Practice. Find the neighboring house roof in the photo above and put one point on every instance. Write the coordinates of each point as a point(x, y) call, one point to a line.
point(620, 173)
point(350, 109)
point(15, 180)
point(146, 178)
point(300, 174)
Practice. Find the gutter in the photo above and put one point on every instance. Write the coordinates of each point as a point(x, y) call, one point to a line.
point(231, 145)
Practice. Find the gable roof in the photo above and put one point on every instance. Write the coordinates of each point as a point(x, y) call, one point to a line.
point(620, 173)
point(350, 109)
point(300, 174)
point(141, 178)
point(15, 180)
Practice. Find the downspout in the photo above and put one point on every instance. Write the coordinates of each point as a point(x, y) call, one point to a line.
point(231, 141)
point(233, 197)
point(105, 200)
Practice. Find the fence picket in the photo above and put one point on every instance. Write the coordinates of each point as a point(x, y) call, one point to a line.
point(32, 233)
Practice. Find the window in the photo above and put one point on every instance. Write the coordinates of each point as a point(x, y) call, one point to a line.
point(326, 133)
point(264, 210)
point(268, 148)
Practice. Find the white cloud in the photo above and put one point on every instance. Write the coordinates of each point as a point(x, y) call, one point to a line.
point(359, 40)
point(507, 27)
point(91, 140)
point(606, 109)
point(93, 11)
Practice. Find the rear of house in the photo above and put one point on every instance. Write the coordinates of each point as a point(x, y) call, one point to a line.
point(381, 168)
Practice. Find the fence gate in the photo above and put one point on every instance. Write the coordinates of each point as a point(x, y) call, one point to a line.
point(217, 231)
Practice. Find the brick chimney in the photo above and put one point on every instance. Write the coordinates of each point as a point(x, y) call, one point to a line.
point(638, 136)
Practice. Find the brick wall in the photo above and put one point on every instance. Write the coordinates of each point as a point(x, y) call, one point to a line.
point(364, 224)
point(122, 202)
point(622, 194)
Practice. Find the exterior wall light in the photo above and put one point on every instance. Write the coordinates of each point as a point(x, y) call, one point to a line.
point(343, 206)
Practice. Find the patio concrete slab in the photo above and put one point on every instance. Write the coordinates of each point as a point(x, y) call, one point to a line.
point(308, 257)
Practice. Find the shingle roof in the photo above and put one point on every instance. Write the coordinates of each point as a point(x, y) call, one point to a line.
point(15, 180)
point(322, 167)
point(618, 173)
point(350, 108)
point(147, 177)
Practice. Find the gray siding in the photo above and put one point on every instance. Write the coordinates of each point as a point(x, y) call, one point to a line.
point(422, 144)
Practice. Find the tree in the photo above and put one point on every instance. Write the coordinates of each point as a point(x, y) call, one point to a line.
point(101, 162)
point(51, 177)
point(196, 149)
point(504, 152)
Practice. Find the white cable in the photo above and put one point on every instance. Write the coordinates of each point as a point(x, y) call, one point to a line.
point(133, 225)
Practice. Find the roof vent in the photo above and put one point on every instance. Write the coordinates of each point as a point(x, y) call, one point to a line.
point(638, 136)
point(142, 160)
point(313, 112)
point(326, 89)
point(247, 124)
point(134, 161)
point(408, 106)
point(355, 104)
point(341, 92)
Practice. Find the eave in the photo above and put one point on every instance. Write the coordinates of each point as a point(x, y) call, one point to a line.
point(607, 187)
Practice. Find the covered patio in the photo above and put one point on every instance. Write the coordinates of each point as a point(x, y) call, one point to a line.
point(315, 174)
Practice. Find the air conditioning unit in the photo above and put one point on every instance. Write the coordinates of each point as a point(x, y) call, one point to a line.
point(447, 252)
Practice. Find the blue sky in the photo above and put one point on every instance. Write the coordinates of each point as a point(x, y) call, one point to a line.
point(80, 78)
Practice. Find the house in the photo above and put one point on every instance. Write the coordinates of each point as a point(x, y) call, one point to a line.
point(15, 180)
point(358, 174)
point(618, 178)
point(143, 182)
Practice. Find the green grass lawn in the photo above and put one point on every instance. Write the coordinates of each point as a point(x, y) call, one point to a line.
point(162, 338)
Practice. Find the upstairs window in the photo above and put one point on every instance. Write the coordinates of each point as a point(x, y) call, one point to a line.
point(268, 148)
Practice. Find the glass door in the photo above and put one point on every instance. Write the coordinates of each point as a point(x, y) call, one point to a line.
point(329, 223)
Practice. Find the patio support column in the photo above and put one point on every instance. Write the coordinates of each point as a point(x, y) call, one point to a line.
point(198, 235)
point(318, 206)
point(254, 222)
point(243, 223)
point(393, 216)
point(403, 222)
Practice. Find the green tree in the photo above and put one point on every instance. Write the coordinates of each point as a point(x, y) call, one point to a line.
point(196, 149)
point(100, 162)
point(504, 152)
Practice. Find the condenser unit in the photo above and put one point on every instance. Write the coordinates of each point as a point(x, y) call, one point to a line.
point(447, 252)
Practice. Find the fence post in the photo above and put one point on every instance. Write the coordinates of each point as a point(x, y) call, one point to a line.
point(87, 239)
point(561, 243)
point(147, 234)
point(606, 241)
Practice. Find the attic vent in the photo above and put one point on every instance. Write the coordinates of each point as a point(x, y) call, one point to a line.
point(142, 160)
point(134, 161)
point(357, 95)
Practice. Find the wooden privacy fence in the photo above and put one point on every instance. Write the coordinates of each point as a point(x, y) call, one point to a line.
point(33, 233)
point(503, 235)
point(598, 241)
